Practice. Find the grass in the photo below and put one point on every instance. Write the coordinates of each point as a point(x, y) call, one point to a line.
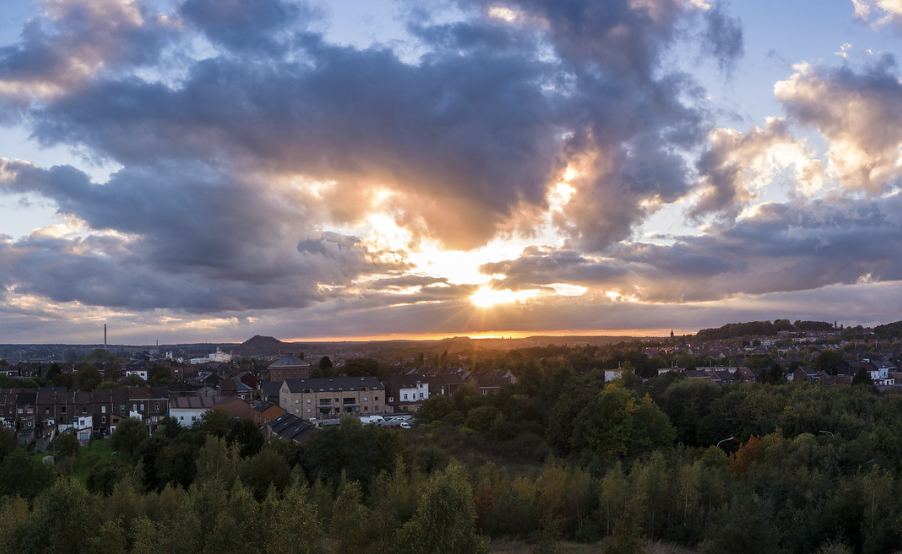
point(88, 457)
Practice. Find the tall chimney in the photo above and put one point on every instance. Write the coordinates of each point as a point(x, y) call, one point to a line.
point(104, 337)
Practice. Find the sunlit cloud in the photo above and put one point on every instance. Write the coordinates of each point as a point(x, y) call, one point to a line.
point(487, 297)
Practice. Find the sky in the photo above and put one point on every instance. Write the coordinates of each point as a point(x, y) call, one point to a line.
point(208, 170)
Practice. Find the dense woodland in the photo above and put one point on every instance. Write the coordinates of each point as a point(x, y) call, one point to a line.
point(769, 467)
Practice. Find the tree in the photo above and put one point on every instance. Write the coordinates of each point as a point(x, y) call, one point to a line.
point(266, 469)
point(133, 381)
point(828, 361)
point(480, 419)
point(617, 424)
point(863, 377)
point(445, 520)
point(349, 529)
point(128, 436)
point(66, 445)
point(22, 475)
point(87, 378)
point(325, 363)
point(437, 407)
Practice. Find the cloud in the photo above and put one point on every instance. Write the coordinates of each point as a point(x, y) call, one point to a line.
point(74, 41)
point(879, 12)
point(250, 26)
point(859, 113)
point(181, 236)
point(779, 248)
point(737, 166)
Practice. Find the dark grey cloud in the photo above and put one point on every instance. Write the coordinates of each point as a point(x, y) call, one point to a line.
point(782, 248)
point(466, 136)
point(185, 236)
point(723, 35)
point(253, 26)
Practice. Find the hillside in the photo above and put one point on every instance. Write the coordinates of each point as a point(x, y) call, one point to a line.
point(99, 356)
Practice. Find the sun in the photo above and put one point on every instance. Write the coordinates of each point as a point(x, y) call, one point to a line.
point(486, 297)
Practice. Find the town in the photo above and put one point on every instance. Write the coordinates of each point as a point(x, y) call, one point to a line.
point(286, 395)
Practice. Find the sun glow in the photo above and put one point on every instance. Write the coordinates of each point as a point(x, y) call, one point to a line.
point(487, 297)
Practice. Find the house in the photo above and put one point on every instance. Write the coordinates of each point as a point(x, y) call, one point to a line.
point(270, 390)
point(491, 381)
point(266, 411)
point(188, 410)
point(139, 370)
point(444, 384)
point(291, 428)
point(407, 393)
point(325, 397)
point(236, 388)
point(289, 367)
point(807, 373)
point(235, 407)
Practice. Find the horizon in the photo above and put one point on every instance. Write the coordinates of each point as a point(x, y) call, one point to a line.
point(186, 171)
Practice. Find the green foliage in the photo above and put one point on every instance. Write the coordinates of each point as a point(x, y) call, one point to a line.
point(618, 424)
point(159, 375)
point(87, 378)
point(128, 436)
point(264, 470)
point(23, 475)
point(445, 521)
point(863, 377)
point(66, 445)
point(480, 419)
point(361, 451)
point(828, 361)
point(437, 407)
point(133, 381)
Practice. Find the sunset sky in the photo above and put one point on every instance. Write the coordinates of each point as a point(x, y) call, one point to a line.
point(209, 170)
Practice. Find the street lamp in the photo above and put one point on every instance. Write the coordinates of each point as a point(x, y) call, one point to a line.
point(723, 441)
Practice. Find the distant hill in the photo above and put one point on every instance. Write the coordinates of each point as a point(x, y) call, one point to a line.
point(258, 341)
point(889, 331)
point(760, 328)
point(99, 356)
point(262, 346)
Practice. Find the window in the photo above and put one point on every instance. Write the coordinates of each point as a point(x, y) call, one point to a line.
point(134, 407)
point(297, 400)
point(103, 409)
point(376, 398)
point(297, 411)
point(142, 407)
point(375, 408)
point(64, 409)
point(103, 419)
point(308, 402)
point(405, 396)
point(365, 399)
point(390, 399)
point(122, 408)
point(84, 409)
point(309, 410)
point(46, 410)
point(156, 407)
point(421, 396)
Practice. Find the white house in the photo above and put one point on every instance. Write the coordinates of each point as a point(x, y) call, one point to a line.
point(189, 409)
